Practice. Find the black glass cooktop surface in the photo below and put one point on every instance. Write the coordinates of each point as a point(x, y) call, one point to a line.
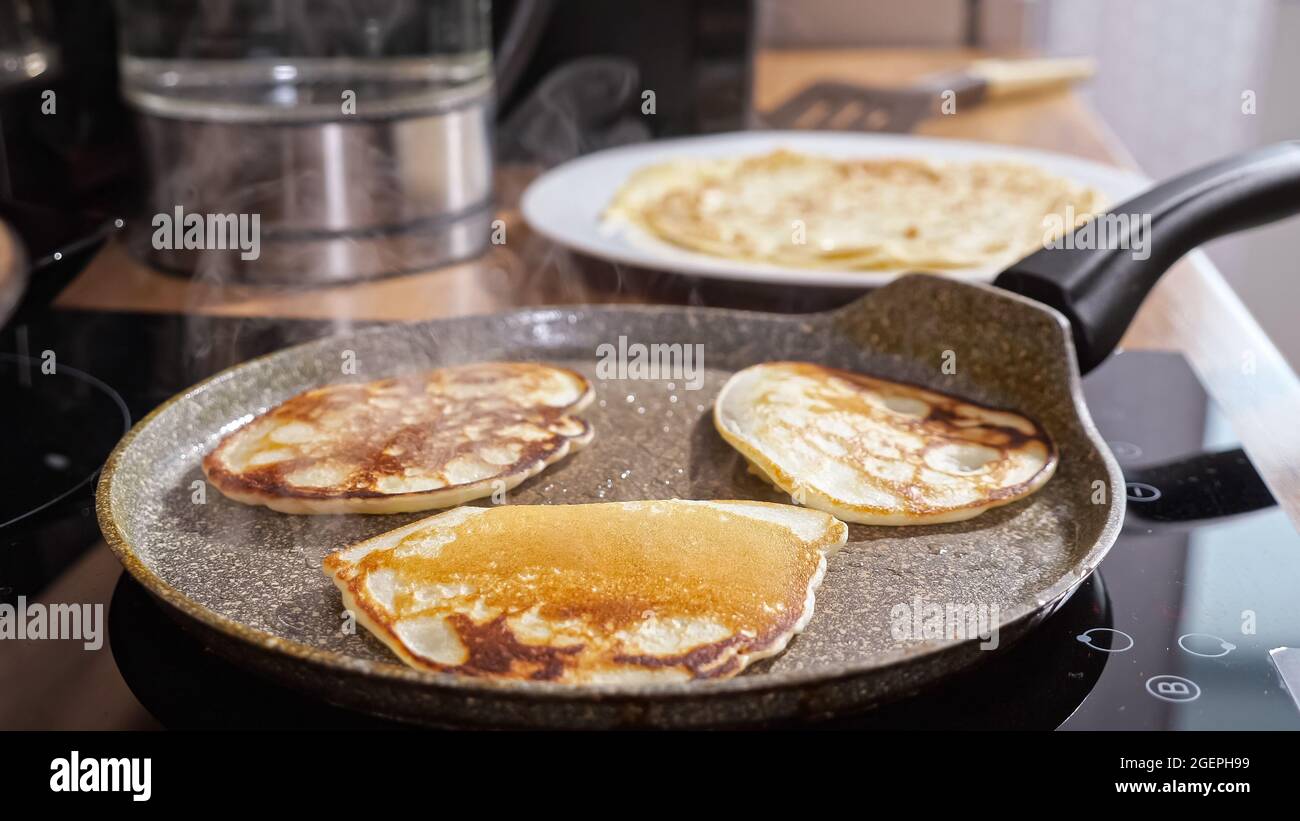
point(1202, 579)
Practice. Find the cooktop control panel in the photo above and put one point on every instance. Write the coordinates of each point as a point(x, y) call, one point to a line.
point(1201, 582)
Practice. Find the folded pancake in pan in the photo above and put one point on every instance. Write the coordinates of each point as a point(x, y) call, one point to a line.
point(805, 211)
point(879, 452)
point(590, 594)
point(418, 442)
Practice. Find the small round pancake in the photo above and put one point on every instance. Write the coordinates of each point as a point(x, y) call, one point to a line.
point(418, 442)
point(879, 452)
point(619, 592)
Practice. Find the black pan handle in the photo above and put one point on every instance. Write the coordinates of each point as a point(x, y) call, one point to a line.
point(1101, 289)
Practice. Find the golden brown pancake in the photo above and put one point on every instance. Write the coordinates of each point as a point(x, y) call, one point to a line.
point(879, 452)
point(428, 440)
point(591, 594)
point(802, 211)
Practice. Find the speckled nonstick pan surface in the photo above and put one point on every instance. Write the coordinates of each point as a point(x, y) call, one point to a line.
point(249, 579)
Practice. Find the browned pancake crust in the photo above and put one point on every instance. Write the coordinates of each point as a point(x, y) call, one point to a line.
point(947, 421)
point(423, 422)
point(591, 572)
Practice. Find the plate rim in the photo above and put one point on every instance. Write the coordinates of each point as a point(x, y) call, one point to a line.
point(694, 264)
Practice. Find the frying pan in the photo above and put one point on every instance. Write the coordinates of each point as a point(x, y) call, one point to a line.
point(248, 580)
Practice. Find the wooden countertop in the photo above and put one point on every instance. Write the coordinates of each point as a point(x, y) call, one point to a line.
point(1192, 310)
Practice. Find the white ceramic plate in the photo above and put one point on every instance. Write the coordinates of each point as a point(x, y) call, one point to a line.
point(566, 203)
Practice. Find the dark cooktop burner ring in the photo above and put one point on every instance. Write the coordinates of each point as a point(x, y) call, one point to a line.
point(92, 381)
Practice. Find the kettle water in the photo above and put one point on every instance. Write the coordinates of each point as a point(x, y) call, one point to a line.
point(358, 133)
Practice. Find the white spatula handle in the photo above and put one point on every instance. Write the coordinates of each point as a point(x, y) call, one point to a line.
point(1006, 78)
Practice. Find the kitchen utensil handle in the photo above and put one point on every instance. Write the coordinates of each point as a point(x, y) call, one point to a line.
point(1099, 275)
point(1006, 78)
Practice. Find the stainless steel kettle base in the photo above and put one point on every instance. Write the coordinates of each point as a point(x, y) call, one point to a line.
point(336, 200)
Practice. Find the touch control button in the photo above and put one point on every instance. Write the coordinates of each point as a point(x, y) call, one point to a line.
point(1142, 492)
point(1173, 688)
point(1120, 641)
point(1205, 645)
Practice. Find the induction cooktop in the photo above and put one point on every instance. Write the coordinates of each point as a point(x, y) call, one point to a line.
point(1186, 624)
